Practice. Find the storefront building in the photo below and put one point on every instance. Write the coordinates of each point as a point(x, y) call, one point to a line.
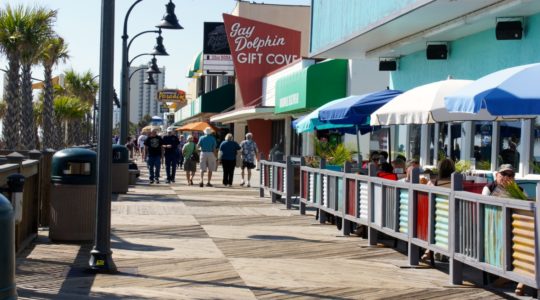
point(472, 42)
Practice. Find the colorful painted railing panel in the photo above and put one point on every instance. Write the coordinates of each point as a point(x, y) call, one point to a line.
point(363, 199)
point(523, 245)
point(403, 210)
point(332, 192)
point(441, 221)
point(271, 177)
point(324, 199)
point(390, 208)
point(377, 204)
point(422, 215)
point(467, 228)
point(283, 186)
point(339, 196)
point(318, 189)
point(351, 198)
point(493, 235)
point(312, 187)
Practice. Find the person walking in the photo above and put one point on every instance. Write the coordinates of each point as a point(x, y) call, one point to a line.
point(140, 141)
point(170, 144)
point(249, 154)
point(228, 150)
point(153, 151)
point(181, 143)
point(208, 145)
point(190, 165)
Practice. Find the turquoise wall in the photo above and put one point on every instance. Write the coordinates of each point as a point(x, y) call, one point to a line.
point(335, 20)
point(470, 58)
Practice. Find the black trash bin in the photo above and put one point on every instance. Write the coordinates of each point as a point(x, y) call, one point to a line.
point(73, 195)
point(120, 169)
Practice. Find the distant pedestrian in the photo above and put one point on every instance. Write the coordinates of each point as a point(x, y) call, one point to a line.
point(170, 144)
point(249, 155)
point(140, 141)
point(190, 165)
point(153, 146)
point(182, 142)
point(208, 145)
point(228, 150)
point(130, 146)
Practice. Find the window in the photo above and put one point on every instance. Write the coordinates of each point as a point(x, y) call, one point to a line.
point(483, 132)
point(510, 133)
point(414, 142)
point(78, 168)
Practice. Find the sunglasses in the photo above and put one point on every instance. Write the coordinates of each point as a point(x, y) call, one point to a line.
point(508, 174)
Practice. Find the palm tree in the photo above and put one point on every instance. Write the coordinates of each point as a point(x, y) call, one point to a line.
point(36, 31)
point(67, 109)
point(11, 22)
point(84, 87)
point(54, 51)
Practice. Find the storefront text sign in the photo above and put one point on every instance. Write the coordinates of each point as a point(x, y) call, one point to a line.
point(171, 95)
point(259, 48)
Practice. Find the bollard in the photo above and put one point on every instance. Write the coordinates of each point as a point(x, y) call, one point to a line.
point(8, 290)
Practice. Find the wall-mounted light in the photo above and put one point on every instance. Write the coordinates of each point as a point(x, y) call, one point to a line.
point(387, 64)
point(509, 28)
point(437, 50)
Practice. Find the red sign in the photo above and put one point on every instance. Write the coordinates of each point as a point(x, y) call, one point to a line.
point(259, 48)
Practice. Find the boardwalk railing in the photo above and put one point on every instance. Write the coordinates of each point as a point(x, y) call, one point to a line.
point(492, 234)
point(280, 179)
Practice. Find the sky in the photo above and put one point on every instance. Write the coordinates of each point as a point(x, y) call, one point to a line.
point(78, 22)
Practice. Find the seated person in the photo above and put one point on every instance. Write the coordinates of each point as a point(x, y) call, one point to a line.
point(413, 163)
point(446, 168)
point(386, 171)
point(399, 166)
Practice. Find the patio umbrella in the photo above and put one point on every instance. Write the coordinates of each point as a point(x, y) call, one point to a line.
point(356, 110)
point(150, 128)
point(424, 104)
point(311, 122)
point(197, 126)
point(510, 92)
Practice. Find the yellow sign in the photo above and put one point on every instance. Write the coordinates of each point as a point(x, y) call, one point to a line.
point(171, 95)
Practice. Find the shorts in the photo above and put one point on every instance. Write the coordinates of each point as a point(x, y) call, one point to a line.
point(247, 164)
point(208, 161)
point(190, 166)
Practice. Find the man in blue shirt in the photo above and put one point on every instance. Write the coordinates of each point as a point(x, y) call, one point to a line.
point(207, 145)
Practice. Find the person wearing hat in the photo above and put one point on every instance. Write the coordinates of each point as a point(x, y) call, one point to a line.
point(208, 146)
point(504, 176)
point(170, 145)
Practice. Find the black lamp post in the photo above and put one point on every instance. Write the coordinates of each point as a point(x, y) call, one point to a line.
point(169, 21)
point(101, 254)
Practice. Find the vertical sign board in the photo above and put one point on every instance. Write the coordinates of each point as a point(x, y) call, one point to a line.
point(259, 48)
point(217, 58)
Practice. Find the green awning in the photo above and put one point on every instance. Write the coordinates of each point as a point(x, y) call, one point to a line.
point(312, 87)
point(195, 70)
point(215, 101)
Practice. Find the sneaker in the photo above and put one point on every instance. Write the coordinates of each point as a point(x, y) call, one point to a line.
point(242, 183)
point(151, 181)
point(157, 180)
point(248, 185)
point(201, 184)
point(173, 181)
point(168, 181)
point(209, 184)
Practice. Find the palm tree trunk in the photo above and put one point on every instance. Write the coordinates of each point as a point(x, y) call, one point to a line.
point(10, 125)
point(27, 109)
point(58, 133)
point(47, 118)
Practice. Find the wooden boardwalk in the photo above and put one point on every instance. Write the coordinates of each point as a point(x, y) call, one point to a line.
point(185, 242)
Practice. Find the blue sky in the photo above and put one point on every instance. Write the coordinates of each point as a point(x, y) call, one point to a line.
point(79, 24)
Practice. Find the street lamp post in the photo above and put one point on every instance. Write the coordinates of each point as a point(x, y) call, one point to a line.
point(101, 254)
point(169, 21)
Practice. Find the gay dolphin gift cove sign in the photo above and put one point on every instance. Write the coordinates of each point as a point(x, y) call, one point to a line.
point(259, 48)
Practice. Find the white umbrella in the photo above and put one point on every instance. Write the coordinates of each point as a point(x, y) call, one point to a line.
point(423, 105)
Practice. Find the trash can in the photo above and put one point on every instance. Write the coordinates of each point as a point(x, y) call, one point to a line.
point(120, 169)
point(73, 195)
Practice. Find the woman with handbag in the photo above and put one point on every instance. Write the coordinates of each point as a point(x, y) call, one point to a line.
point(191, 159)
